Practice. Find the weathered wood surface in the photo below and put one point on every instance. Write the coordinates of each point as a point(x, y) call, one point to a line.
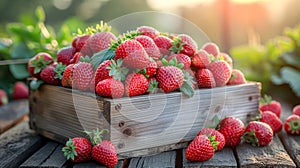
point(273, 155)
point(223, 158)
point(94, 164)
point(12, 113)
point(292, 146)
point(17, 144)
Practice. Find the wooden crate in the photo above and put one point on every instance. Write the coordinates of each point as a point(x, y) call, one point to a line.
point(141, 125)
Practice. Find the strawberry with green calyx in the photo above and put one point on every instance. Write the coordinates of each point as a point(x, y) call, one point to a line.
point(65, 55)
point(201, 59)
point(211, 132)
point(78, 150)
point(152, 86)
point(181, 58)
point(205, 78)
point(76, 57)
point(201, 148)
point(292, 124)
point(164, 44)
point(271, 119)
point(38, 63)
point(103, 151)
point(150, 47)
point(67, 78)
point(258, 133)
point(3, 97)
point(83, 73)
point(267, 104)
point(211, 48)
point(150, 70)
point(53, 74)
point(184, 44)
point(135, 84)
point(148, 31)
point(296, 110)
point(237, 78)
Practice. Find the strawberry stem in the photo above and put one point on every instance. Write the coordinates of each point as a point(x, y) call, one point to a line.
point(251, 138)
point(95, 136)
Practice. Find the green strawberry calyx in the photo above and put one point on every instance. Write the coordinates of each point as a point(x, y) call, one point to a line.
point(213, 141)
point(59, 70)
point(39, 64)
point(129, 35)
point(102, 27)
point(294, 126)
point(70, 150)
point(265, 100)
point(96, 136)
point(250, 137)
point(177, 45)
point(152, 86)
point(117, 71)
point(187, 86)
point(172, 62)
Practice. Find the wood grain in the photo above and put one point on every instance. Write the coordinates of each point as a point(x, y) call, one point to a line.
point(292, 146)
point(273, 155)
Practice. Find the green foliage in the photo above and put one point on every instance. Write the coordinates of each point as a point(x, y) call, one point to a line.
point(274, 63)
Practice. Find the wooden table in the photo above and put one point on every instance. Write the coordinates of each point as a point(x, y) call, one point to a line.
point(22, 147)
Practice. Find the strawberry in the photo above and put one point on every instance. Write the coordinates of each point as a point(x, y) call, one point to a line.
point(20, 91)
point(67, 78)
point(150, 70)
point(65, 55)
point(226, 58)
point(93, 85)
point(296, 110)
point(221, 72)
point(102, 71)
point(76, 58)
point(3, 97)
point(133, 54)
point(83, 73)
point(292, 124)
point(150, 47)
point(271, 119)
point(201, 59)
point(152, 86)
point(232, 128)
point(169, 78)
point(110, 88)
point(200, 149)
point(148, 31)
point(100, 41)
point(218, 137)
point(38, 63)
point(205, 79)
point(79, 41)
point(86, 50)
point(267, 104)
point(164, 44)
point(237, 78)
point(78, 150)
point(53, 74)
point(211, 48)
point(181, 58)
point(184, 44)
point(135, 84)
point(258, 133)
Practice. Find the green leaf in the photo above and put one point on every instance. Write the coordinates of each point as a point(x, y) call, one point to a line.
point(291, 59)
point(292, 77)
point(19, 71)
point(40, 14)
point(277, 80)
point(187, 89)
point(20, 50)
point(102, 56)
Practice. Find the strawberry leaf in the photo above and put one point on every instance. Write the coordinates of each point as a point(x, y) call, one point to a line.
point(102, 56)
point(187, 89)
point(59, 70)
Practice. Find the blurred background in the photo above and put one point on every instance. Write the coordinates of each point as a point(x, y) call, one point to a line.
point(262, 36)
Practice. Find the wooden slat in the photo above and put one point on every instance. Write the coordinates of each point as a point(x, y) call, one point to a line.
point(94, 164)
point(12, 113)
point(273, 155)
point(56, 159)
point(17, 144)
point(223, 158)
point(292, 146)
point(162, 160)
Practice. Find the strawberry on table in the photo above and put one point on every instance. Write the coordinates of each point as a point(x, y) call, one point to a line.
point(292, 124)
point(271, 119)
point(148, 31)
point(258, 133)
point(267, 104)
point(3, 97)
point(136, 84)
point(205, 78)
point(233, 129)
point(200, 149)
point(38, 63)
point(78, 150)
point(20, 91)
point(221, 72)
point(296, 110)
point(210, 132)
point(65, 55)
point(149, 46)
point(211, 48)
point(237, 77)
point(53, 74)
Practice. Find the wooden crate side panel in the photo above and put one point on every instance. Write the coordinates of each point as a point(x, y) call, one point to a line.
point(56, 110)
point(162, 120)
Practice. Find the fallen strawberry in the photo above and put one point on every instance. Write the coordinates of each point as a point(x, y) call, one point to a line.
point(3, 97)
point(20, 91)
point(292, 124)
point(233, 129)
point(296, 110)
point(210, 132)
point(258, 134)
point(271, 119)
point(267, 104)
point(78, 150)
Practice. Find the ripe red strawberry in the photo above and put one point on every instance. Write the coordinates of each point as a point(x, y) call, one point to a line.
point(150, 70)
point(133, 54)
point(271, 119)
point(232, 128)
point(38, 63)
point(105, 153)
point(205, 79)
point(184, 44)
point(93, 85)
point(79, 41)
point(65, 55)
point(149, 46)
point(200, 149)
point(169, 78)
point(221, 72)
point(227, 58)
point(20, 91)
point(152, 86)
point(258, 133)
point(164, 44)
point(218, 137)
point(267, 104)
point(296, 110)
point(86, 50)
point(53, 74)
point(237, 78)
point(148, 31)
point(181, 58)
point(135, 84)
point(3, 97)
point(201, 59)
point(67, 78)
point(83, 73)
point(110, 88)
point(102, 71)
point(211, 48)
point(292, 124)
point(100, 41)
point(78, 149)
point(76, 58)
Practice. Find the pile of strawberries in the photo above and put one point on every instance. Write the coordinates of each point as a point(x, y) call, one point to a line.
point(139, 62)
point(231, 131)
